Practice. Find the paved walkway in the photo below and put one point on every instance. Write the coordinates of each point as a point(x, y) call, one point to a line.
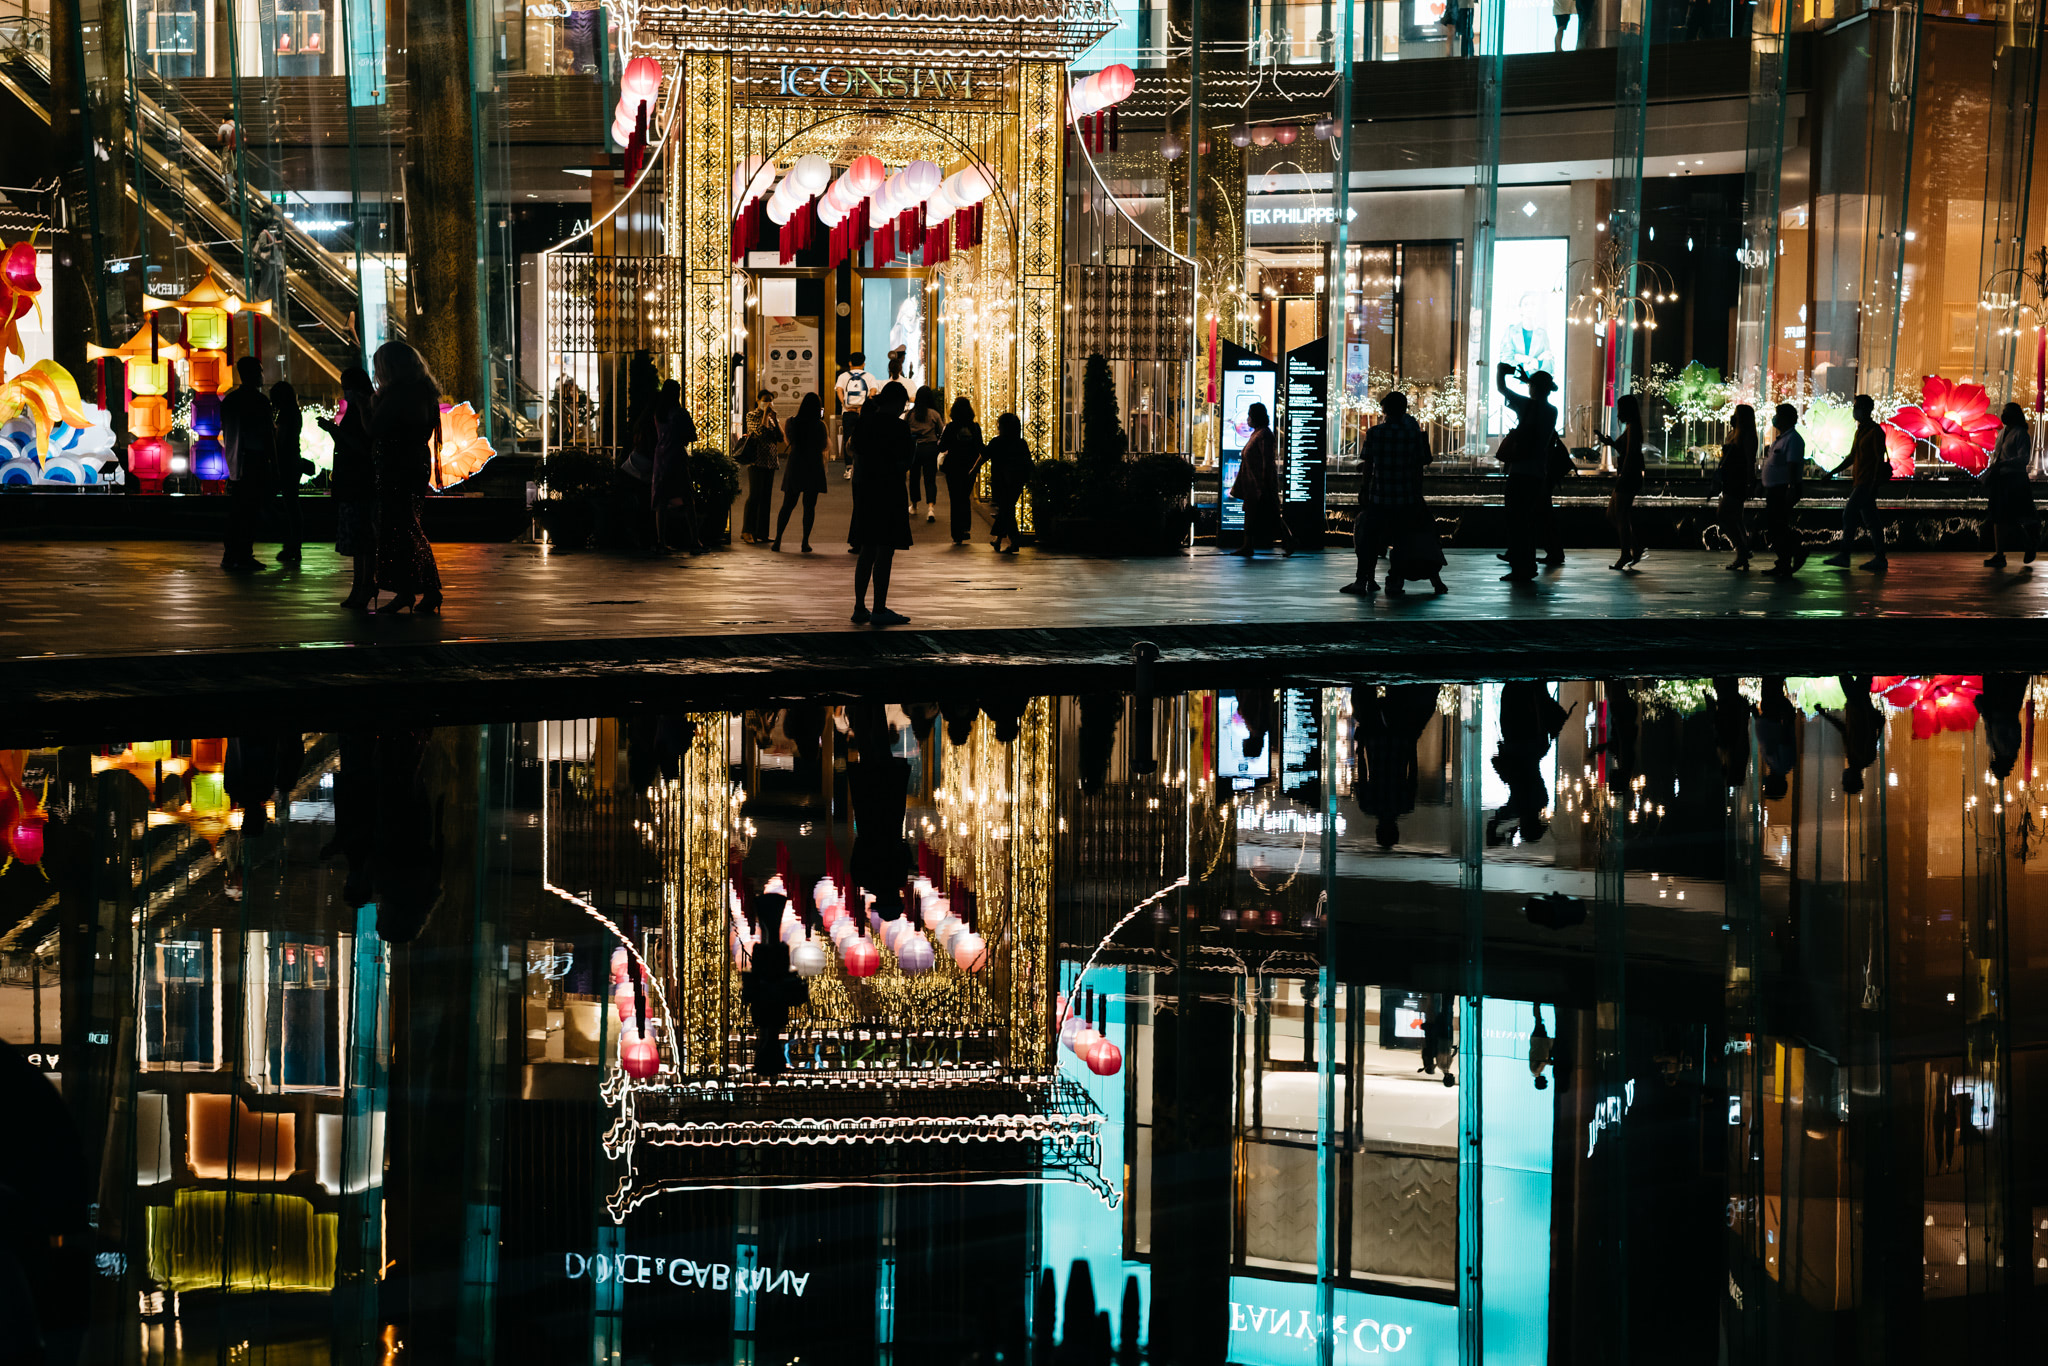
point(86, 626)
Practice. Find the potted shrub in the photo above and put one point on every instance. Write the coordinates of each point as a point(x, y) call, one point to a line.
point(714, 483)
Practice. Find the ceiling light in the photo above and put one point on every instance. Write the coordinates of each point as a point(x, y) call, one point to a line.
point(1529, 208)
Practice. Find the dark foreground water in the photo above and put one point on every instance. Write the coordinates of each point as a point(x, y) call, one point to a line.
point(1683, 1020)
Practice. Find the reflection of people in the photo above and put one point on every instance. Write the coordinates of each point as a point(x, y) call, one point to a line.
point(1859, 725)
point(270, 267)
point(1731, 731)
point(1622, 723)
point(1530, 719)
point(1776, 742)
point(1257, 486)
point(771, 988)
point(389, 828)
point(877, 788)
point(1999, 705)
point(1389, 727)
point(1539, 1037)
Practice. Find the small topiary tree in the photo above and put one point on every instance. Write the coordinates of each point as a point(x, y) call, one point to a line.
point(1103, 439)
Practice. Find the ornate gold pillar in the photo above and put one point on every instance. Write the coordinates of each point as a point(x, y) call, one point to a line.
point(1041, 128)
point(1031, 846)
point(696, 907)
point(704, 216)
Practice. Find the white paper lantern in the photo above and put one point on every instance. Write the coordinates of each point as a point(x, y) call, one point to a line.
point(921, 179)
point(812, 174)
point(916, 955)
point(808, 958)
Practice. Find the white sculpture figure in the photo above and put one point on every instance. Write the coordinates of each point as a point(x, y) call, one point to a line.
point(907, 333)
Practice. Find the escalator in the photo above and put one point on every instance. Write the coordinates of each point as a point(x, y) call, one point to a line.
point(198, 198)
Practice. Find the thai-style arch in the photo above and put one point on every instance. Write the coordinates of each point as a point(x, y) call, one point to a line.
point(983, 295)
point(998, 100)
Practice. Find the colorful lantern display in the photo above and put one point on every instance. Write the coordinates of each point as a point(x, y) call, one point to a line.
point(1957, 419)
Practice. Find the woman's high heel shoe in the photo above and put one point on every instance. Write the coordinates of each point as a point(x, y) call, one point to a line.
point(398, 604)
point(430, 605)
point(360, 601)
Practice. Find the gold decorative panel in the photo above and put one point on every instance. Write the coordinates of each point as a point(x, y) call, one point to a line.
point(1041, 127)
point(705, 149)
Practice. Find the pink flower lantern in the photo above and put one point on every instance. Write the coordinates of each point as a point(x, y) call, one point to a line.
point(1957, 418)
point(1939, 702)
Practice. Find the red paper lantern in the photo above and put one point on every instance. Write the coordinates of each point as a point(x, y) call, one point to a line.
point(861, 958)
point(640, 1058)
point(1105, 1059)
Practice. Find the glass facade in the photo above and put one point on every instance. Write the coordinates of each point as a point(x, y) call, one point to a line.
point(1524, 1021)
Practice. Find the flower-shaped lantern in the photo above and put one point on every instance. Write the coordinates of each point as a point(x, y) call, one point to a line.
point(1956, 418)
point(1939, 702)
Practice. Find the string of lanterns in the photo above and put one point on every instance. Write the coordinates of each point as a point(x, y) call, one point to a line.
point(638, 86)
point(1084, 1032)
point(898, 211)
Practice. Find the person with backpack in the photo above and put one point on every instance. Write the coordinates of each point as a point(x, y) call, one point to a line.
point(1869, 467)
point(852, 389)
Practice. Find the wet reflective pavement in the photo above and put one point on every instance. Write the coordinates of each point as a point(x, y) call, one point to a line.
point(1687, 1019)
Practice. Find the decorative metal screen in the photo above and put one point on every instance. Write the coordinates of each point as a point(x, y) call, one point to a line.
point(1134, 311)
point(614, 305)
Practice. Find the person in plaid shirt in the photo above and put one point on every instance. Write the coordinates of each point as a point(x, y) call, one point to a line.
point(1391, 501)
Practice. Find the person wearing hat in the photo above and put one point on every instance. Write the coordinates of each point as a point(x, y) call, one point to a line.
point(1526, 453)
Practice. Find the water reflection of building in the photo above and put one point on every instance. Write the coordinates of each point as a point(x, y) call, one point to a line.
point(1746, 1051)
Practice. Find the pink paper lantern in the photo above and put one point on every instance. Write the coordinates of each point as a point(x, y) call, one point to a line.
point(1105, 1059)
point(916, 956)
point(861, 958)
point(1115, 83)
point(641, 79)
point(1287, 134)
point(970, 952)
point(1086, 1039)
point(640, 1058)
point(865, 174)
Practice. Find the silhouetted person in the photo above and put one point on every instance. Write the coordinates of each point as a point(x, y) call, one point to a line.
point(803, 477)
point(1259, 710)
point(1869, 468)
point(1859, 725)
point(674, 491)
point(1258, 487)
point(1999, 705)
point(878, 789)
point(247, 431)
point(881, 519)
point(1776, 738)
point(1393, 513)
point(1784, 472)
point(1539, 1051)
point(1628, 481)
point(771, 988)
point(406, 427)
point(1388, 727)
point(290, 466)
point(1437, 1049)
point(961, 451)
point(1526, 453)
point(1530, 719)
point(1731, 731)
point(388, 826)
point(1101, 714)
point(1009, 466)
point(353, 485)
point(1737, 479)
point(2009, 489)
point(259, 767)
point(1624, 717)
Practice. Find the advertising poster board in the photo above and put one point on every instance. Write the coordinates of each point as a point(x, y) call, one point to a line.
point(789, 366)
point(1247, 378)
point(1528, 288)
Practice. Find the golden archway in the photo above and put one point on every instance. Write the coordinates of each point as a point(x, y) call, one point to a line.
point(1014, 359)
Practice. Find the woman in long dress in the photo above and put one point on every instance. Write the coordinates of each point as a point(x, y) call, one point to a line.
point(2011, 492)
point(405, 426)
point(1257, 486)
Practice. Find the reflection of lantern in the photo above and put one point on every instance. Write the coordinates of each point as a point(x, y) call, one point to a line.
point(1324, 129)
point(1105, 1059)
point(1172, 148)
point(808, 959)
point(1240, 135)
point(970, 952)
point(1286, 135)
point(916, 955)
point(1262, 136)
point(861, 958)
point(1084, 1040)
point(1069, 1029)
point(641, 78)
point(640, 1058)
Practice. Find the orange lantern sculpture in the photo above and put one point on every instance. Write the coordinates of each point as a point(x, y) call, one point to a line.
point(146, 359)
point(209, 309)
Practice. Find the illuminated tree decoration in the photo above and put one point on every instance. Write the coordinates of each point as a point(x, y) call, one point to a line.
point(1956, 419)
